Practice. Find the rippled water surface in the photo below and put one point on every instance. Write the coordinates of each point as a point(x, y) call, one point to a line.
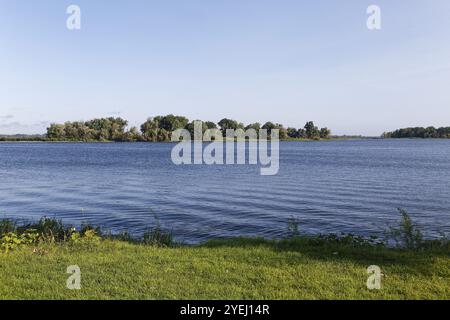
point(337, 186)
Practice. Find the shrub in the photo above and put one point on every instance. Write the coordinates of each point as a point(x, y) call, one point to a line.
point(407, 235)
point(158, 237)
point(12, 240)
point(88, 236)
point(49, 230)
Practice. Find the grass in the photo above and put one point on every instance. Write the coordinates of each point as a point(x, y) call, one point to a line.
point(34, 258)
point(296, 268)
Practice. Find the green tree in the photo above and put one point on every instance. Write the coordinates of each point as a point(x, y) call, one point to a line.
point(107, 128)
point(163, 135)
point(190, 127)
point(325, 133)
point(283, 133)
point(419, 132)
point(171, 123)
point(70, 131)
point(301, 133)
point(132, 135)
point(210, 125)
point(292, 133)
point(226, 124)
point(56, 131)
point(312, 132)
point(269, 126)
point(255, 126)
point(149, 129)
point(431, 132)
point(117, 128)
point(160, 128)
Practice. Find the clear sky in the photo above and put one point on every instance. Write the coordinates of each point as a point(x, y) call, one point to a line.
point(287, 61)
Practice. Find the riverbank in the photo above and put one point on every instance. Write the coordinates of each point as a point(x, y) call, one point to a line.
point(45, 140)
point(34, 258)
point(223, 269)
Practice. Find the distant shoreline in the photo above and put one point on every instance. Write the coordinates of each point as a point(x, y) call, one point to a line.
point(45, 140)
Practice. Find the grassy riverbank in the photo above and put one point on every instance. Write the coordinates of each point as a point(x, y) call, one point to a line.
point(34, 259)
point(234, 269)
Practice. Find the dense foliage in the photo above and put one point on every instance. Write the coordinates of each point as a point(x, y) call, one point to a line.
point(105, 129)
point(52, 231)
point(160, 128)
point(420, 132)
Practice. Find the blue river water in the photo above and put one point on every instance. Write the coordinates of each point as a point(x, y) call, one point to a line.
point(329, 187)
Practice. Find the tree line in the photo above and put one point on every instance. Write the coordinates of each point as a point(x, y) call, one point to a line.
point(159, 129)
point(419, 132)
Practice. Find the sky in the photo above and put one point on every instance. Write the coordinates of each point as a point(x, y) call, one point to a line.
point(286, 61)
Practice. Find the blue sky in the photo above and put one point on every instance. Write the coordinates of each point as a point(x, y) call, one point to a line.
point(252, 60)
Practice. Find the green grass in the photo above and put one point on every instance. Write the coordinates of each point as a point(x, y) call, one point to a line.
point(228, 269)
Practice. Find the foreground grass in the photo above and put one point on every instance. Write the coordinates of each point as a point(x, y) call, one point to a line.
point(233, 269)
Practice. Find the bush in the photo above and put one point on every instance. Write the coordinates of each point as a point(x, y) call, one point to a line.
point(88, 236)
point(12, 240)
point(407, 235)
point(51, 231)
point(158, 237)
point(47, 230)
